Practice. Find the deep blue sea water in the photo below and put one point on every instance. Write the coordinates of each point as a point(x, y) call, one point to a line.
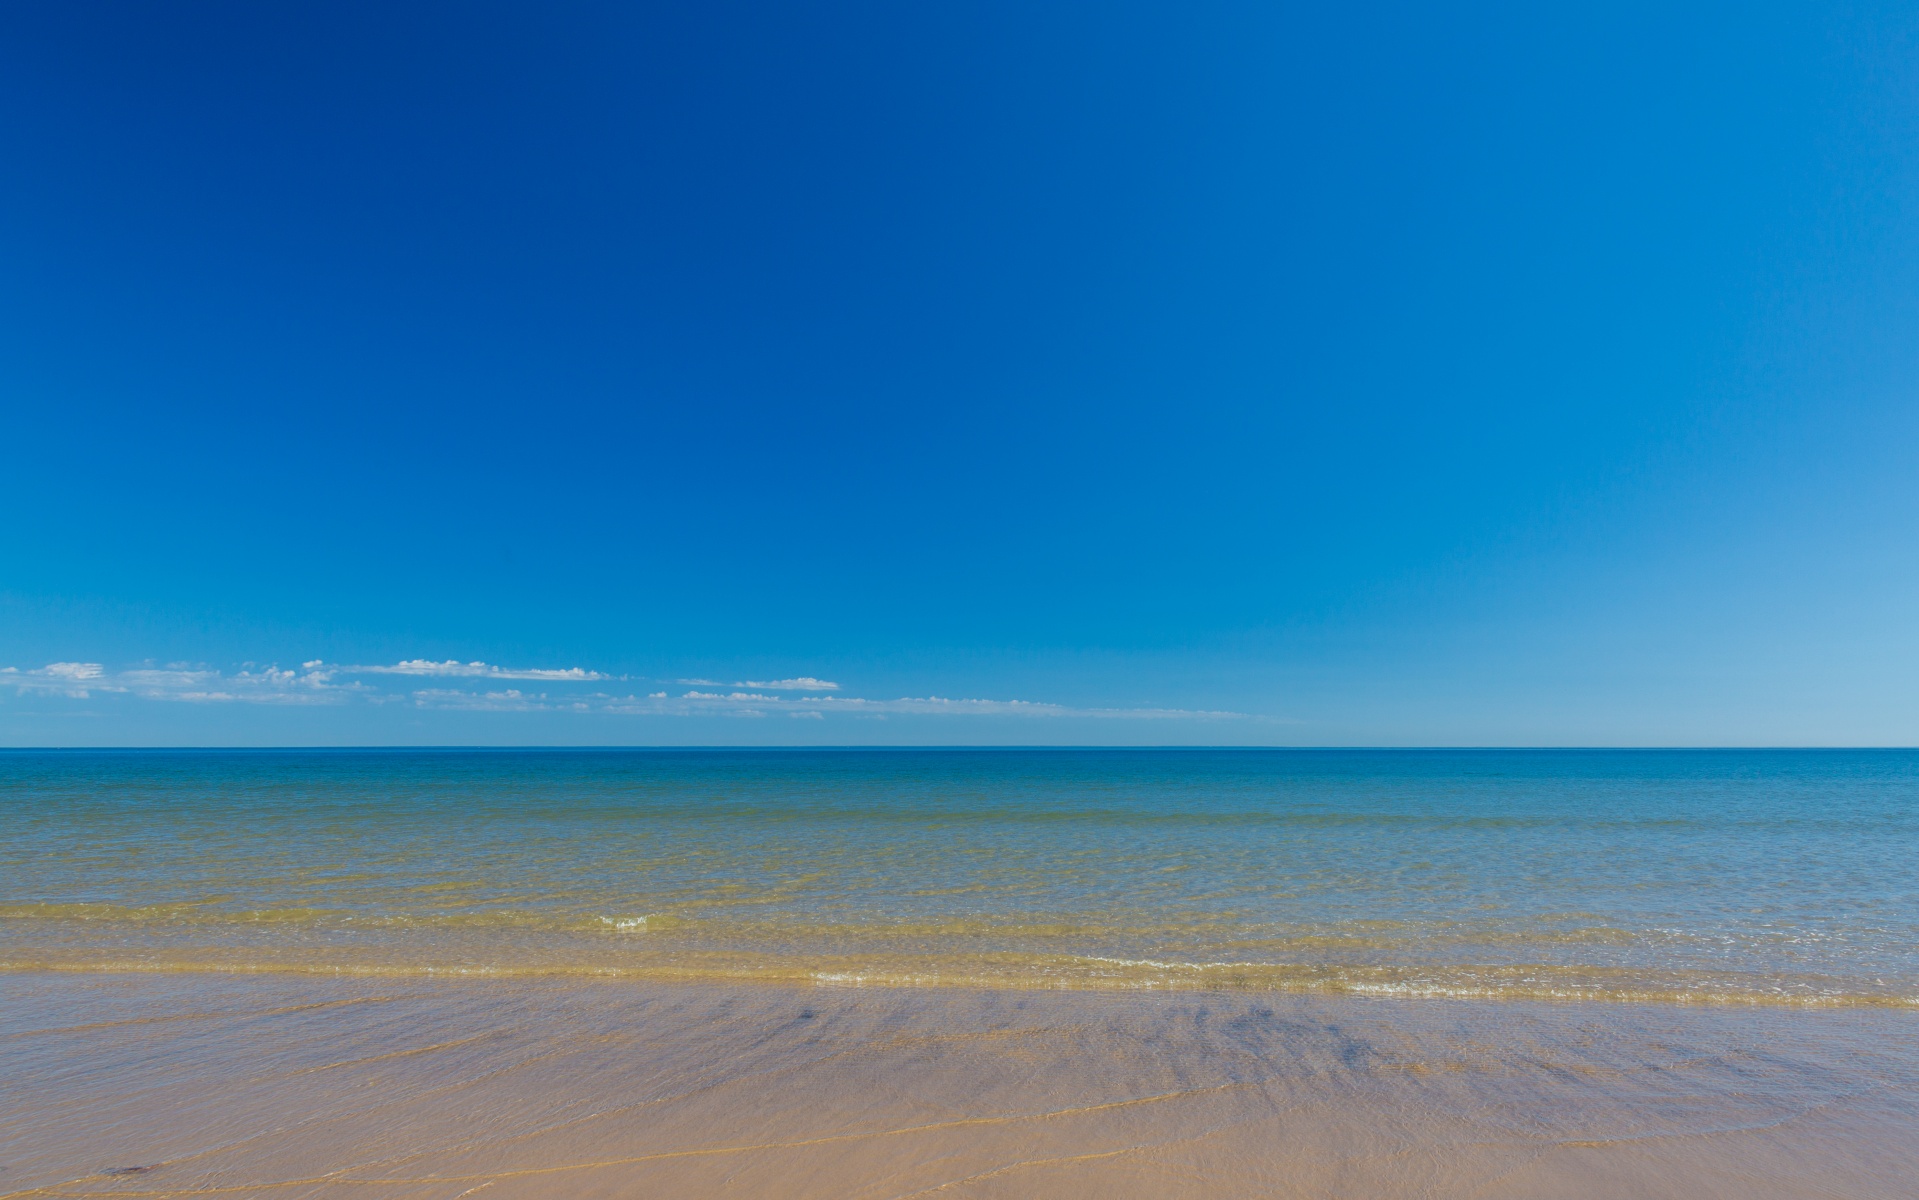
point(1752, 876)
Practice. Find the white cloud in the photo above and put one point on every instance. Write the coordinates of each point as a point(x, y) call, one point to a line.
point(477, 670)
point(509, 700)
point(941, 706)
point(183, 682)
point(72, 670)
point(75, 679)
point(173, 679)
point(697, 703)
point(318, 683)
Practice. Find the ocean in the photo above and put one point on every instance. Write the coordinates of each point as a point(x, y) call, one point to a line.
point(1684, 876)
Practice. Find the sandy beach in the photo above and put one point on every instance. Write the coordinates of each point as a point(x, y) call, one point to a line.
point(290, 1086)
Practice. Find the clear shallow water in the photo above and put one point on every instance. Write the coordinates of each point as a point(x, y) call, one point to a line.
point(1770, 876)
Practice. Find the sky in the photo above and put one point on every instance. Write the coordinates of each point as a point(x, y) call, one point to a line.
point(999, 373)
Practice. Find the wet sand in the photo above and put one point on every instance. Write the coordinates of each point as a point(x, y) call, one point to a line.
point(286, 1086)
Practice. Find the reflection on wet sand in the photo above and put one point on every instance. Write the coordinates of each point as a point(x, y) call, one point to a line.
point(289, 1086)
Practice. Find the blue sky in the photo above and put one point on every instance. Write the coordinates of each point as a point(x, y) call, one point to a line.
point(1247, 373)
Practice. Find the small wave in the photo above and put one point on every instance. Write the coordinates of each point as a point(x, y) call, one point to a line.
point(639, 924)
point(1079, 973)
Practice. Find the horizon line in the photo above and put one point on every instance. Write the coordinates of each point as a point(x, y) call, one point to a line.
point(980, 746)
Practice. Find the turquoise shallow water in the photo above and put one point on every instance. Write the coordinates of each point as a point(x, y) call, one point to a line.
point(1751, 876)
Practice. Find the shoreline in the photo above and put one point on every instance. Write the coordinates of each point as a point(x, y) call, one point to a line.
point(1530, 983)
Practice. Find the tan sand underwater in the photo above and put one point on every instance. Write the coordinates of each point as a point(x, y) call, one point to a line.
point(174, 1085)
